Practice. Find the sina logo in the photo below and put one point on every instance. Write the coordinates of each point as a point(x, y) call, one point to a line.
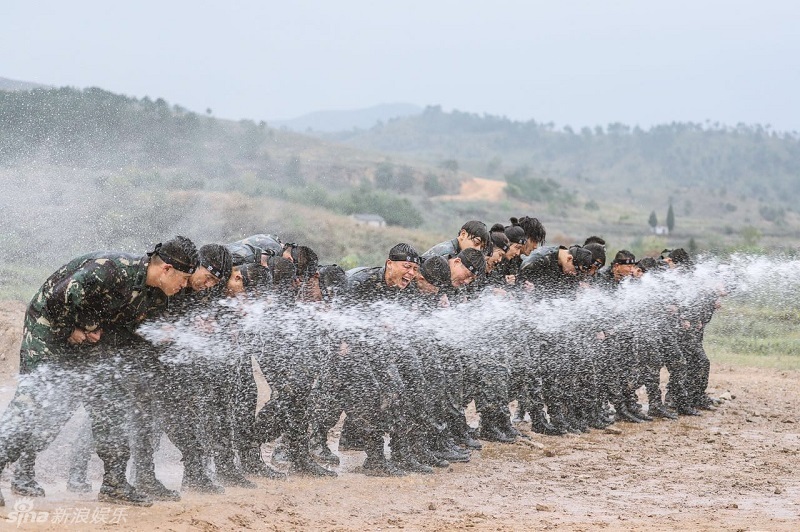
point(23, 513)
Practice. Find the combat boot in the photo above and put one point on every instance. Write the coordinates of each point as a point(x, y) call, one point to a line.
point(26, 487)
point(493, 433)
point(303, 464)
point(600, 423)
point(24, 482)
point(231, 477)
point(704, 402)
point(623, 414)
point(196, 479)
point(116, 490)
point(658, 411)
point(426, 456)
point(381, 467)
point(149, 485)
point(324, 454)
point(463, 437)
point(492, 428)
point(403, 455)
point(253, 464)
point(470, 443)
point(412, 465)
point(452, 454)
point(560, 421)
point(687, 410)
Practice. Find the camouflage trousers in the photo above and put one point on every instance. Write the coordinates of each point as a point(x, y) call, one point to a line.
point(47, 397)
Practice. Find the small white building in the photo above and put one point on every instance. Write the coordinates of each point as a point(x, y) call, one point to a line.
point(371, 220)
point(660, 230)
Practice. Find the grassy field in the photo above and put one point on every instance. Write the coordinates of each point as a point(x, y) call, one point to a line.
point(752, 335)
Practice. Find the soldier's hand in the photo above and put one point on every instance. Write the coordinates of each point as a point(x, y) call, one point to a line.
point(94, 336)
point(77, 337)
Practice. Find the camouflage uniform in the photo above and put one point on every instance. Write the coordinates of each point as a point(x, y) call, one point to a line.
point(249, 250)
point(444, 249)
point(99, 291)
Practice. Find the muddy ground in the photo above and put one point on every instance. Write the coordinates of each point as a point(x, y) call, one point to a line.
point(737, 468)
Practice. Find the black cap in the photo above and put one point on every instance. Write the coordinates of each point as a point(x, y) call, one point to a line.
point(217, 260)
point(650, 263)
point(598, 252)
point(473, 260)
point(180, 253)
point(497, 239)
point(436, 271)
point(332, 280)
point(404, 253)
point(516, 234)
point(678, 256)
point(624, 257)
point(581, 258)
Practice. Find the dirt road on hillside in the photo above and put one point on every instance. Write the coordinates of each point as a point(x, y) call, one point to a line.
point(737, 468)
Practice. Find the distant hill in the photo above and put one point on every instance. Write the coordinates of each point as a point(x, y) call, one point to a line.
point(14, 85)
point(742, 161)
point(330, 121)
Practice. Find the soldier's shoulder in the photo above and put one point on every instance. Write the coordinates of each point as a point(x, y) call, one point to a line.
point(442, 249)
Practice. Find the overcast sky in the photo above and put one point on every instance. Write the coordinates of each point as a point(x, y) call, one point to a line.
point(578, 63)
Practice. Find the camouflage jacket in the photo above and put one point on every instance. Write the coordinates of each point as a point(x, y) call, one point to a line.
point(249, 250)
point(444, 249)
point(102, 290)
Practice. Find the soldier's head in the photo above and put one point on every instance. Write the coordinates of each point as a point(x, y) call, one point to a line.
point(677, 258)
point(534, 232)
point(215, 267)
point(402, 266)
point(517, 241)
point(473, 235)
point(284, 273)
point(287, 250)
point(434, 275)
point(465, 267)
point(624, 265)
point(305, 262)
point(595, 240)
point(172, 265)
point(582, 260)
point(650, 264)
point(332, 281)
point(598, 252)
point(566, 261)
point(497, 248)
point(251, 279)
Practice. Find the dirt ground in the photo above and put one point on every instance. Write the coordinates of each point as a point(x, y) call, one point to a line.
point(478, 189)
point(736, 468)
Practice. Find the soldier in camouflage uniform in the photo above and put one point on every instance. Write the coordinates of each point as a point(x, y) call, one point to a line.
point(161, 394)
point(76, 328)
point(473, 234)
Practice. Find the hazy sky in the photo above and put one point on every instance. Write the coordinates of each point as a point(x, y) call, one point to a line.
point(578, 63)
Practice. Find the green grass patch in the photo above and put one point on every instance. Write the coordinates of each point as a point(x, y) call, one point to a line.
point(755, 335)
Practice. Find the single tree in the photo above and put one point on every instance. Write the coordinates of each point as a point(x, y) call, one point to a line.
point(670, 219)
point(653, 221)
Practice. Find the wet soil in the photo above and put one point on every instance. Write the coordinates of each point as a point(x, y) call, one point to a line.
point(736, 468)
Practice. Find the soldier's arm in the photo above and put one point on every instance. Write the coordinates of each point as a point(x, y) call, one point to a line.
point(82, 299)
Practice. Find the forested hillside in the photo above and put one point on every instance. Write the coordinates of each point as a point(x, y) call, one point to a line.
point(730, 160)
